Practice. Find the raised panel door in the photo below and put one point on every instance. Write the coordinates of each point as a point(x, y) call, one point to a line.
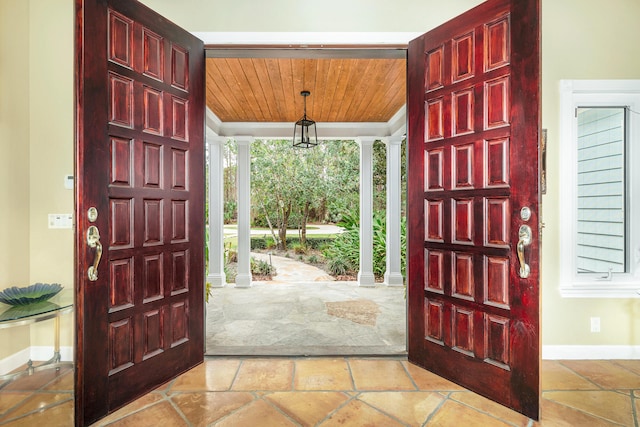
point(474, 119)
point(140, 162)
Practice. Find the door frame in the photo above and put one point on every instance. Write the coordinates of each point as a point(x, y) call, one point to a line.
point(330, 50)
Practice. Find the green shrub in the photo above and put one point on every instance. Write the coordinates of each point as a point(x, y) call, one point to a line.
point(350, 220)
point(231, 256)
point(267, 242)
point(230, 211)
point(299, 248)
point(261, 268)
point(339, 267)
point(258, 242)
point(344, 253)
point(319, 242)
point(379, 243)
point(230, 273)
point(270, 243)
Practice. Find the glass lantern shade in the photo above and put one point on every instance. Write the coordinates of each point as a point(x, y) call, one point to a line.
point(305, 134)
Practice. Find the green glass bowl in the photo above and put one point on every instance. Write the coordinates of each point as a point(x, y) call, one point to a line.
point(29, 294)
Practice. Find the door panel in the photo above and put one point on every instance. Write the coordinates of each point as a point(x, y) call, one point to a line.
point(140, 163)
point(474, 112)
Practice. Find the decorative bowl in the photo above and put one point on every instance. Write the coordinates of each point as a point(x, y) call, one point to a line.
point(29, 294)
point(26, 310)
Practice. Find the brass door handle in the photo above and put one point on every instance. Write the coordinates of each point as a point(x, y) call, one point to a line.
point(93, 240)
point(524, 239)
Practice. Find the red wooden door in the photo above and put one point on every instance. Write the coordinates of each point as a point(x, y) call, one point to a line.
point(474, 120)
point(140, 164)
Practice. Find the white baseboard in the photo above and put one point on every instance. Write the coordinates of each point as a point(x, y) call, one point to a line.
point(46, 353)
point(14, 361)
point(590, 352)
point(38, 353)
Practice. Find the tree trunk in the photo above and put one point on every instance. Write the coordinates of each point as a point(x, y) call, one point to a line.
point(276, 238)
point(303, 226)
point(282, 230)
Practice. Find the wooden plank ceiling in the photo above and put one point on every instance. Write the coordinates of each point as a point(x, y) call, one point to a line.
point(268, 89)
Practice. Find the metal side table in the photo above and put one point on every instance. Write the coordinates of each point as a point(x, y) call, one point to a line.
point(13, 316)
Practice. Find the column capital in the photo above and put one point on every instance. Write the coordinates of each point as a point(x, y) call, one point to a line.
point(393, 139)
point(217, 140)
point(367, 140)
point(243, 139)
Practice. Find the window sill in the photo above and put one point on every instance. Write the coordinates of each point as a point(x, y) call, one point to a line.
point(602, 289)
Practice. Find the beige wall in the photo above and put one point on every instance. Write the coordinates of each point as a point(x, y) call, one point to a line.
point(310, 15)
point(36, 132)
point(36, 123)
point(51, 156)
point(14, 160)
point(580, 41)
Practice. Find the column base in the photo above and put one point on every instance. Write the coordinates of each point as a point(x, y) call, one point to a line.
point(243, 281)
point(366, 279)
point(393, 279)
point(217, 280)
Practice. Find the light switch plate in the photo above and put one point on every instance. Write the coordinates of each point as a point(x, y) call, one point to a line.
point(60, 220)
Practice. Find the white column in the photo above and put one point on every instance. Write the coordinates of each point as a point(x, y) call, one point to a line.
point(243, 278)
point(393, 274)
point(365, 275)
point(216, 274)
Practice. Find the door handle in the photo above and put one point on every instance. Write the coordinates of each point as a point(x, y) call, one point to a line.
point(93, 240)
point(524, 239)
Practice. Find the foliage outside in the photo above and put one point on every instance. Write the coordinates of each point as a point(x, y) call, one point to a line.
point(343, 257)
point(293, 187)
point(262, 268)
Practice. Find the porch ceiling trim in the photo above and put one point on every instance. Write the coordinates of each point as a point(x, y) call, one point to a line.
point(307, 39)
point(329, 130)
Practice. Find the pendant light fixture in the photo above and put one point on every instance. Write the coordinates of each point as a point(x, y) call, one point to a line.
point(305, 134)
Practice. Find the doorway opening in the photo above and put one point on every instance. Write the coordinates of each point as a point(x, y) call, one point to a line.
point(251, 92)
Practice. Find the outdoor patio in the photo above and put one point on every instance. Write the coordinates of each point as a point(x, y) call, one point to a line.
point(302, 311)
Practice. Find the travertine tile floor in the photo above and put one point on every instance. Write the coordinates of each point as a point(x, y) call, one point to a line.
point(339, 391)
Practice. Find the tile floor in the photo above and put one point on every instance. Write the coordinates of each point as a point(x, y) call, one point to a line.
point(340, 391)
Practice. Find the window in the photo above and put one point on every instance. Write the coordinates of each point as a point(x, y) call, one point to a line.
point(601, 222)
point(599, 188)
